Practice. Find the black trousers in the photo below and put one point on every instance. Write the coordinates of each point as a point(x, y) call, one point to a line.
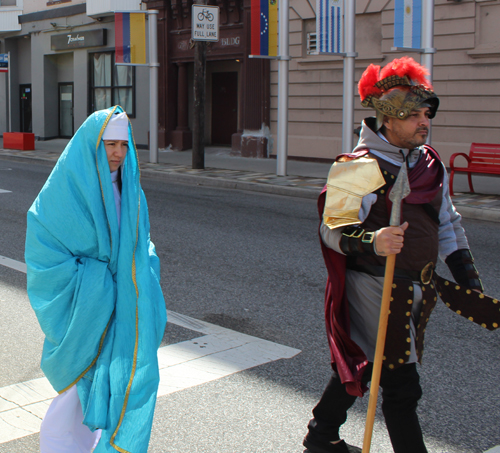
point(400, 394)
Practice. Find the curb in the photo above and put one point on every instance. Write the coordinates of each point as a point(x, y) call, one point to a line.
point(14, 158)
point(197, 180)
point(467, 212)
point(232, 184)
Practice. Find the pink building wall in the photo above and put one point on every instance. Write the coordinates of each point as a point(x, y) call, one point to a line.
point(466, 76)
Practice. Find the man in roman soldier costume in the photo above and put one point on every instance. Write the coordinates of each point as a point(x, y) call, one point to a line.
point(354, 210)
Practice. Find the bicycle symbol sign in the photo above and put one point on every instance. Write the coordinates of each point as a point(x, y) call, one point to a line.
point(205, 23)
point(205, 14)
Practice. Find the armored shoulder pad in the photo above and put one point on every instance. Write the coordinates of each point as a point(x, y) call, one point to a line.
point(348, 182)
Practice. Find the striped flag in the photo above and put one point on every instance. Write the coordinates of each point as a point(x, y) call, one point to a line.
point(408, 23)
point(264, 28)
point(130, 38)
point(330, 26)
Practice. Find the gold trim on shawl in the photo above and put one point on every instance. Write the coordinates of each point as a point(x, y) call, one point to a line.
point(93, 361)
point(136, 153)
point(348, 182)
point(136, 347)
point(134, 279)
point(106, 121)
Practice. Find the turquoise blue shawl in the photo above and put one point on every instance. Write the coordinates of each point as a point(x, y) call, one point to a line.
point(95, 289)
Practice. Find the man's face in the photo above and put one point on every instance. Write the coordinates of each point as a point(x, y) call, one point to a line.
point(116, 150)
point(410, 132)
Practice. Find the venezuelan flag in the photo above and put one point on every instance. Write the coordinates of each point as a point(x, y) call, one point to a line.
point(264, 27)
point(130, 38)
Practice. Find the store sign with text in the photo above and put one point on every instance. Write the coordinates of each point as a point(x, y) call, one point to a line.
point(72, 40)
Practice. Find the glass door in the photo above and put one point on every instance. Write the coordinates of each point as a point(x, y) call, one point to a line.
point(25, 91)
point(66, 110)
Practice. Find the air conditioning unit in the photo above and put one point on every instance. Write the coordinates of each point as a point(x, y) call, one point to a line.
point(312, 46)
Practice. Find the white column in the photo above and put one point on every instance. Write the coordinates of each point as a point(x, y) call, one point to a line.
point(153, 86)
point(283, 67)
point(427, 58)
point(349, 60)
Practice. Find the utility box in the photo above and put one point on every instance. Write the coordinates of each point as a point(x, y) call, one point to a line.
point(23, 141)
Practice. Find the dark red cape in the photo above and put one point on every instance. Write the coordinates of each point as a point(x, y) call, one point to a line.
point(348, 358)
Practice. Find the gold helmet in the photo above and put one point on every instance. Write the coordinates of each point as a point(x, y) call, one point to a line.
point(396, 90)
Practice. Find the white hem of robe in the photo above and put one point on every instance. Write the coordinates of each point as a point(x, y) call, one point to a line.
point(62, 430)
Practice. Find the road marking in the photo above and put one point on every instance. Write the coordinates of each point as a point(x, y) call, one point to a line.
point(219, 352)
point(5, 191)
point(13, 264)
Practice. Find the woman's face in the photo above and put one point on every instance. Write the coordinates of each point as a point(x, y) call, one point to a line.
point(116, 150)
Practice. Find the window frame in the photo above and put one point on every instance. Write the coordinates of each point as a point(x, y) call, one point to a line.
point(114, 88)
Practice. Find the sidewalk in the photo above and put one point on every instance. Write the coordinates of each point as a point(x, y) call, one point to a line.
point(304, 180)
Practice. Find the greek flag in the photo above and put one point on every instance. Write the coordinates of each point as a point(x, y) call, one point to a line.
point(408, 23)
point(330, 26)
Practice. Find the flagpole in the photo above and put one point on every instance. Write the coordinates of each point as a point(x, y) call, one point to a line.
point(428, 50)
point(283, 67)
point(349, 60)
point(153, 86)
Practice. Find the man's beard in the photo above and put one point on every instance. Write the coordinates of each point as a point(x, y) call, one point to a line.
point(418, 140)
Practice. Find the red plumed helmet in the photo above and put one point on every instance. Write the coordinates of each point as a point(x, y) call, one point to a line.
point(366, 85)
point(408, 67)
point(397, 89)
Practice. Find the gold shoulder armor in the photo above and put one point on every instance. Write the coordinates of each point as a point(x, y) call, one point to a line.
point(348, 182)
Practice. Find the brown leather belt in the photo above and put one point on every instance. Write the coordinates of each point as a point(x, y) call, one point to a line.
point(379, 271)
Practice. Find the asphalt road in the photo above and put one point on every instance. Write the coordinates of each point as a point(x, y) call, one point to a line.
point(251, 262)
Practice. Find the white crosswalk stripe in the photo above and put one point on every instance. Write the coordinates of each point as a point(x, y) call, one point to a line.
point(219, 352)
point(13, 264)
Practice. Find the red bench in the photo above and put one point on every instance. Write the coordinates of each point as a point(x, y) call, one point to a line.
point(482, 158)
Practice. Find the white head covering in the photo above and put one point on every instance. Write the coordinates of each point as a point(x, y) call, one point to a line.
point(117, 128)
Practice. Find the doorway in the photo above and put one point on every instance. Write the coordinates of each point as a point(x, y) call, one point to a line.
point(26, 124)
point(224, 107)
point(66, 110)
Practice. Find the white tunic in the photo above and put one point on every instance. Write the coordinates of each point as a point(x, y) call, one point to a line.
point(62, 430)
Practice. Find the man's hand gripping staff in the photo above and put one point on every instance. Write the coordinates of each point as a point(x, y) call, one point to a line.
point(388, 242)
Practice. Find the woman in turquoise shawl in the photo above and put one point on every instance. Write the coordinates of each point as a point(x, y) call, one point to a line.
point(93, 281)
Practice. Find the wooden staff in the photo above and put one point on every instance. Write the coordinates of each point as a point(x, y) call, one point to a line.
point(400, 190)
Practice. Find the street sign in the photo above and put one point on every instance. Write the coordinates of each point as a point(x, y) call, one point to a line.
point(205, 24)
point(4, 62)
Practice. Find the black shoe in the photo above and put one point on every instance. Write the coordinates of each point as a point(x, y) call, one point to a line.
point(314, 445)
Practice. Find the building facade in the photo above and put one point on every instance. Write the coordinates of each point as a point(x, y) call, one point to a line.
point(62, 67)
point(58, 78)
point(466, 75)
point(237, 87)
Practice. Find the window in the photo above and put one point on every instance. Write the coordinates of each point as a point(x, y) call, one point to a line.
point(486, 40)
point(7, 2)
point(309, 46)
point(110, 84)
